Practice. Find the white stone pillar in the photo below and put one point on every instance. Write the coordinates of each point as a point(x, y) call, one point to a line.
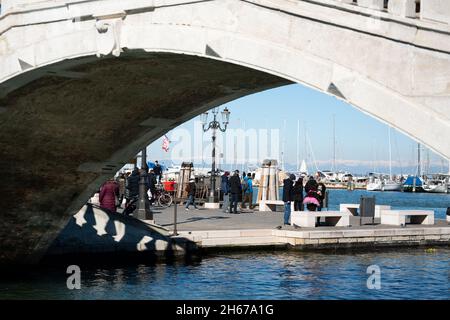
point(436, 10)
point(402, 8)
point(372, 4)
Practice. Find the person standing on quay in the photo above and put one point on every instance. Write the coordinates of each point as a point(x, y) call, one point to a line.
point(248, 192)
point(121, 180)
point(235, 189)
point(298, 195)
point(311, 185)
point(132, 186)
point(321, 190)
point(191, 189)
point(288, 196)
point(108, 193)
point(157, 170)
point(225, 188)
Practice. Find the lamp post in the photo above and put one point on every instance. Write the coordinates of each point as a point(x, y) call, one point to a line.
point(143, 211)
point(214, 125)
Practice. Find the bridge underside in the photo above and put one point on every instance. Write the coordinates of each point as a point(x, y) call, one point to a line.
point(64, 134)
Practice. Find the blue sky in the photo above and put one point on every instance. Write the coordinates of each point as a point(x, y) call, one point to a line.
point(361, 141)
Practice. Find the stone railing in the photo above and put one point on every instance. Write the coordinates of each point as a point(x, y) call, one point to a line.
point(431, 10)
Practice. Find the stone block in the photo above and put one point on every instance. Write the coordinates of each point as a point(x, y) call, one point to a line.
point(328, 241)
point(383, 239)
point(401, 238)
point(366, 239)
point(435, 10)
point(402, 8)
point(372, 4)
point(311, 241)
point(325, 235)
point(348, 240)
point(358, 233)
point(256, 233)
point(432, 237)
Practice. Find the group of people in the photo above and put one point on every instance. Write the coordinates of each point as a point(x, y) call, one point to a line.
point(236, 189)
point(126, 185)
point(293, 192)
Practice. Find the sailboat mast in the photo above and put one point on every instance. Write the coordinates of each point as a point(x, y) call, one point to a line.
point(334, 143)
point(418, 160)
point(298, 146)
point(390, 153)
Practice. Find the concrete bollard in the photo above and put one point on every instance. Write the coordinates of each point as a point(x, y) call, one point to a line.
point(402, 8)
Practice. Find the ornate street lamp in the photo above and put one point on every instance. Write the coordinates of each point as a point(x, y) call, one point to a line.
point(214, 125)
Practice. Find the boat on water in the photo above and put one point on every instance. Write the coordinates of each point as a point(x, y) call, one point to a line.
point(376, 185)
point(390, 185)
point(438, 183)
point(375, 182)
point(413, 184)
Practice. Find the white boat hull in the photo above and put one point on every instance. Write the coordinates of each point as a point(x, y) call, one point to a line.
point(392, 187)
point(437, 189)
point(374, 186)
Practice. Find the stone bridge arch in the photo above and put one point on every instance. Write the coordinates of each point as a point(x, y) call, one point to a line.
point(80, 80)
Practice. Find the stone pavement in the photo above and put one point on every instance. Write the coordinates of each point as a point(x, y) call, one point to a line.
point(208, 219)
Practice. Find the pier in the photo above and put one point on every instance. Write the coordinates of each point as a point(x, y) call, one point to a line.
point(214, 229)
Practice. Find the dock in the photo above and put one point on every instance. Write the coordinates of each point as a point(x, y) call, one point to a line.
point(214, 229)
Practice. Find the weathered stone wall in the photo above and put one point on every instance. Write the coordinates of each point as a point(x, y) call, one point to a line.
point(57, 141)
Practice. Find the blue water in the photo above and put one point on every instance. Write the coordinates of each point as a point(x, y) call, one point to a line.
point(406, 273)
point(397, 200)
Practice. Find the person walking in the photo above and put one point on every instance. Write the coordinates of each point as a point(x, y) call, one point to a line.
point(108, 193)
point(288, 196)
point(298, 195)
point(151, 183)
point(121, 181)
point(247, 188)
point(157, 170)
point(191, 190)
point(235, 190)
point(132, 186)
point(225, 189)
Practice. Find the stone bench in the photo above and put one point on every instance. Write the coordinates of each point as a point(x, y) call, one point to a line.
point(307, 219)
point(354, 207)
point(398, 217)
point(271, 205)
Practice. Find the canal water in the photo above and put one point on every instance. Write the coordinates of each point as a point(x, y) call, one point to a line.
point(405, 273)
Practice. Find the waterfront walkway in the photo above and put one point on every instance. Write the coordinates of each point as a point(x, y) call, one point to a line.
point(209, 219)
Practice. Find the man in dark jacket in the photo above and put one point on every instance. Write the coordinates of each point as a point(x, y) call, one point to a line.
point(321, 192)
point(157, 170)
point(288, 196)
point(311, 185)
point(235, 190)
point(151, 185)
point(298, 195)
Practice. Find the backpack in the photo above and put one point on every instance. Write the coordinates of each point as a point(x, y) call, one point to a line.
point(188, 188)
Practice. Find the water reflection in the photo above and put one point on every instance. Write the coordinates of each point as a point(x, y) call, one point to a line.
point(406, 274)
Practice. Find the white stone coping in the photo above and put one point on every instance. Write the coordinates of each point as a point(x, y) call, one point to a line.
point(255, 237)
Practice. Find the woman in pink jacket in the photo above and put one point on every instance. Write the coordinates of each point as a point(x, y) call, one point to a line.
point(108, 193)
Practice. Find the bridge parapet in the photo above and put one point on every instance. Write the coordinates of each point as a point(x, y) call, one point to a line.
point(429, 10)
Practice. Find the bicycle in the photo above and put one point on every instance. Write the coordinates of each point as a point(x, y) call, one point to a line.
point(162, 197)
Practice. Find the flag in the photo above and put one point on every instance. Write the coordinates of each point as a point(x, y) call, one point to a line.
point(165, 144)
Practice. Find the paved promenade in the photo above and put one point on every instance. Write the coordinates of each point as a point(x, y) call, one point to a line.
point(206, 219)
